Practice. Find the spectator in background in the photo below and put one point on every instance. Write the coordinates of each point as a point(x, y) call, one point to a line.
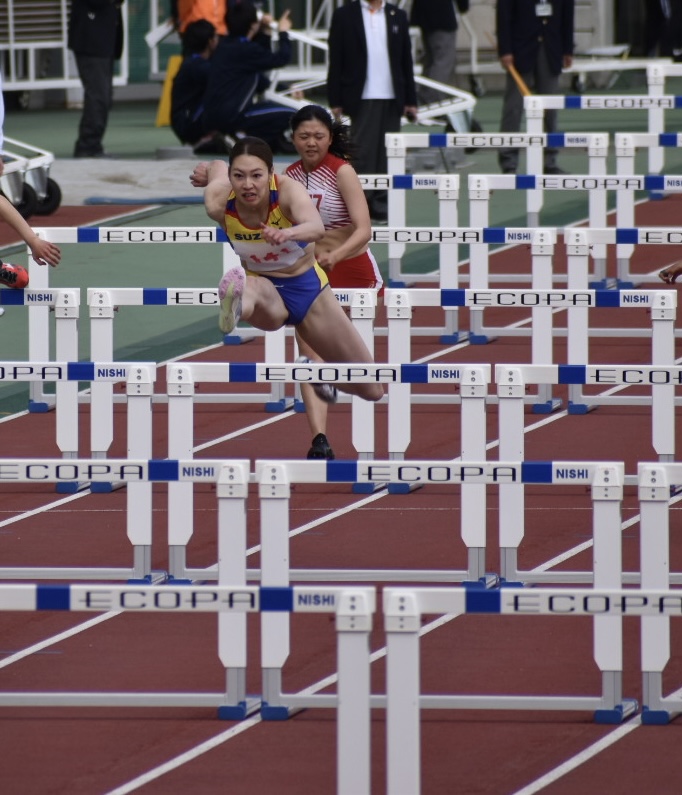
point(371, 80)
point(2, 126)
point(437, 21)
point(184, 12)
point(96, 38)
point(189, 85)
point(237, 75)
point(536, 37)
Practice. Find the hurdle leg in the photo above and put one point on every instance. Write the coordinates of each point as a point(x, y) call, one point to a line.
point(396, 154)
point(402, 622)
point(399, 315)
point(275, 493)
point(473, 391)
point(275, 351)
point(66, 325)
point(511, 393)
point(448, 257)
point(654, 493)
point(542, 250)
point(232, 491)
point(607, 496)
point(181, 389)
point(101, 310)
point(39, 334)
point(577, 250)
point(363, 312)
point(353, 626)
point(139, 495)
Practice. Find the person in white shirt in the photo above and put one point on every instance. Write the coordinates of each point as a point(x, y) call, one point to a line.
point(371, 80)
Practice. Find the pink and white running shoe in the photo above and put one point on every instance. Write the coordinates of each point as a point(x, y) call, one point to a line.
point(230, 292)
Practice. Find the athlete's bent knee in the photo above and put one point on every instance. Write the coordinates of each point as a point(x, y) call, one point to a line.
point(373, 392)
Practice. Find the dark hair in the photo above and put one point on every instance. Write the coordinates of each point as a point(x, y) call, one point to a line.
point(340, 143)
point(256, 147)
point(197, 36)
point(241, 17)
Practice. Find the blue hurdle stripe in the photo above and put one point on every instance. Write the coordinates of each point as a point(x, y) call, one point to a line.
point(154, 296)
point(53, 597)
point(12, 297)
point(483, 600)
point(572, 374)
point(402, 181)
point(654, 182)
point(242, 372)
point(80, 371)
point(667, 139)
point(439, 140)
point(164, 469)
point(414, 374)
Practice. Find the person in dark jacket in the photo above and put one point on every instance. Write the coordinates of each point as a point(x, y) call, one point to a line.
point(437, 21)
point(96, 38)
point(199, 40)
point(371, 79)
point(536, 37)
point(237, 75)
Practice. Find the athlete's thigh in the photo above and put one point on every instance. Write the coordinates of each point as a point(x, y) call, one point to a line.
point(269, 312)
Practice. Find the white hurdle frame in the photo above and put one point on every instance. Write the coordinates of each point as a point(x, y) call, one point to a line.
point(353, 609)
point(654, 104)
point(403, 611)
point(655, 484)
point(446, 275)
point(397, 145)
point(606, 480)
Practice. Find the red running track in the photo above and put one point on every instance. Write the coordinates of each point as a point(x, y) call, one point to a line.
point(87, 750)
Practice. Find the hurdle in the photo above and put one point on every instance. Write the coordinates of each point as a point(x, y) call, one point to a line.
point(604, 478)
point(66, 375)
point(655, 483)
point(654, 104)
point(447, 188)
point(352, 607)
point(596, 186)
point(658, 185)
point(397, 145)
point(403, 610)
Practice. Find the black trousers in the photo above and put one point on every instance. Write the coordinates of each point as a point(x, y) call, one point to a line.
point(96, 75)
point(369, 125)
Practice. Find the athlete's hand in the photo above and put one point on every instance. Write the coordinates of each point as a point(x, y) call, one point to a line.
point(669, 275)
point(45, 253)
point(273, 235)
point(199, 177)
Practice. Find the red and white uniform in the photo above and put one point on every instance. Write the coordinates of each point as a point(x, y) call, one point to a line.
point(322, 186)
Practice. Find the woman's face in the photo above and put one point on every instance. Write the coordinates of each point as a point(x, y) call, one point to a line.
point(312, 140)
point(250, 179)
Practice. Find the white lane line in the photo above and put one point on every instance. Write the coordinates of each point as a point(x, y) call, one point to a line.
point(249, 723)
point(69, 633)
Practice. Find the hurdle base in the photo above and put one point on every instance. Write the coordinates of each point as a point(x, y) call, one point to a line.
point(278, 406)
point(402, 488)
point(275, 712)
point(71, 488)
point(599, 284)
point(479, 339)
point(453, 339)
point(547, 407)
point(100, 487)
point(155, 577)
point(655, 717)
point(34, 407)
point(623, 285)
point(367, 488)
point(618, 714)
point(579, 408)
point(241, 710)
point(236, 339)
point(299, 406)
point(656, 195)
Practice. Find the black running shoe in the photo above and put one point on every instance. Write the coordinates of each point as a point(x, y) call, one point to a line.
point(321, 448)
